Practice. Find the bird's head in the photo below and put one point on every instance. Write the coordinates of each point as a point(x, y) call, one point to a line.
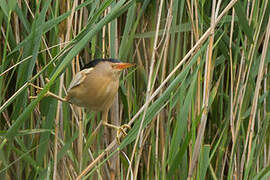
point(111, 67)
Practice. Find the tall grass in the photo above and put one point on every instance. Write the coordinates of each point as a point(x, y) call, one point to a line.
point(197, 100)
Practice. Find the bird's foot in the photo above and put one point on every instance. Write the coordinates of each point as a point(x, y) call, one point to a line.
point(38, 89)
point(32, 97)
point(47, 93)
point(121, 130)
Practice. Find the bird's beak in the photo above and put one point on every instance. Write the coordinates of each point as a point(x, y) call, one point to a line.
point(122, 66)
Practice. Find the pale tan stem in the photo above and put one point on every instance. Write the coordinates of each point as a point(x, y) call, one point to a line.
point(206, 96)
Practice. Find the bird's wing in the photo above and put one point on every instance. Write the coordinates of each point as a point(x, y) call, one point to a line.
point(79, 78)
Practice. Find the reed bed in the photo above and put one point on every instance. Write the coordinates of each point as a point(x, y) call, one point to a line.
point(197, 101)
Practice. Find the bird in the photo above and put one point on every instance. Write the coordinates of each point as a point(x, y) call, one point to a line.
point(95, 88)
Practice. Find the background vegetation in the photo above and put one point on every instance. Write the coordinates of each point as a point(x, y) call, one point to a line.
point(198, 99)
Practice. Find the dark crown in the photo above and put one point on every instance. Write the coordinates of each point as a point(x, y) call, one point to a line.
point(94, 62)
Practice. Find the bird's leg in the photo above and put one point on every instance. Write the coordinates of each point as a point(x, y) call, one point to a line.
point(120, 129)
point(47, 94)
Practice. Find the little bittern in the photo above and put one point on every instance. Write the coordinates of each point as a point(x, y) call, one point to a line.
point(95, 87)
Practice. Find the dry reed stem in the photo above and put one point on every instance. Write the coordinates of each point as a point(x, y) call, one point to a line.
point(149, 86)
point(206, 94)
point(140, 153)
point(232, 86)
point(16, 22)
point(196, 34)
point(57, 120)
point(246, 74)
point(114, 110)
point(265, 90)
point(161, 115)
point(232, 79)
point(257, 89)
point(195, 30)
point(81, 112)
point(5, 37)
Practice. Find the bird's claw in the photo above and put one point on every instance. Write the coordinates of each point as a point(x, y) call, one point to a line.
point(38, 89)
point(32, 97)
point(121, 130)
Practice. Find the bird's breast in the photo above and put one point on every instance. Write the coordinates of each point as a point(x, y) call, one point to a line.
point(96, 94)
point(104, 96)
